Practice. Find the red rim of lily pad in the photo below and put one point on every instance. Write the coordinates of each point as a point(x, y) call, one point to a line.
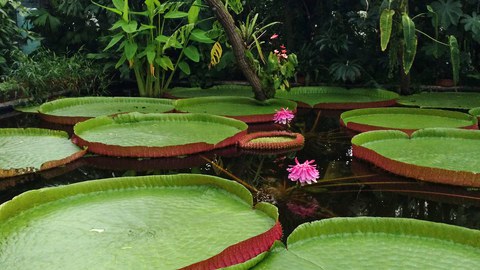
point(156, 151)
point(430, 174)
point(296, 140)
point(359, 127)
point(241, 252)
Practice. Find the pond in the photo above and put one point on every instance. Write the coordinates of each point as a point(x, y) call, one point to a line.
point(347, 186)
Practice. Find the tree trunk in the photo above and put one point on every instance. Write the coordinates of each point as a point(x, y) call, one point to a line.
point(238, 46)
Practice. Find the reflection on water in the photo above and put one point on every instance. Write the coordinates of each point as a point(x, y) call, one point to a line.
point(348, 187)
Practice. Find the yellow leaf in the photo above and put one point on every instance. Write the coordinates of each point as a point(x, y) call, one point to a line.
point(215, 54)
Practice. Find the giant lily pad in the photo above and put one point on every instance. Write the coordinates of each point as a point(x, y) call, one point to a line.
point(440, 155)
point(156, 222)
point(339, 98)
point(33, 149)
point(70, 111)
point(442, 100)
point(245, 109)
point(157, 135)
point(405, 119)
point(217, 90)
point(376, 243)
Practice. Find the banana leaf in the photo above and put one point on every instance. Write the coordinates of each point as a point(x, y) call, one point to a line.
point(338, 98)
point(442, 155)
point(32, 149)
point(245, 109)
point(157, 135)
point(183, 221)
point(217, 90)
point(69, 111)
point(407, 120)
point(442, 100)
point(376, 243)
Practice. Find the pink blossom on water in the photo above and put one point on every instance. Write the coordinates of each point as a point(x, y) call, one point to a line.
point(303, 172)
point(283, 116)
point(274, 36)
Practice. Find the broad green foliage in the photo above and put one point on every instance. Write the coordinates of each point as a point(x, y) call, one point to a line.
point(472, 24)
point(386, 27)
point(410, 40)
point(449, 11)
point(150, 48)
point(454, 57)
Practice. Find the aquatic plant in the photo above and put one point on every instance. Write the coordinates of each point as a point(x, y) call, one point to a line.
point(303, 172)
point(283, 116)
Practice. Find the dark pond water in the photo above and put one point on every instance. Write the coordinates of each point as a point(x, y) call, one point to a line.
point(348, 187)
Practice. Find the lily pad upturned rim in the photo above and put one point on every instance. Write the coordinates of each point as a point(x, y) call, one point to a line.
point(235, 254)
point(430, 174)
point(360, 127)
point(386, 98)
point(46, 165)
point(181, 104)
point(45, 110)
point(152, 151)
point(296, 140)
point(345, 227)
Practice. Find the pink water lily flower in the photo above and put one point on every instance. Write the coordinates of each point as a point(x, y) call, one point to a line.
point(283, 116)
point(303, 172)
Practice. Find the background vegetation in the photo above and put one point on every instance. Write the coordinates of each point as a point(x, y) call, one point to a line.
point(336, 42)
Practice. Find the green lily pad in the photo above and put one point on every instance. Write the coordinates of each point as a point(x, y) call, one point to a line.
point(405, 119)
point(33, 149)
point(442, 100)
point(157, 135)
point(376, 243)
point(70, 111)
point(245, 109)
point(443, 155)
point(339, 98)
point(156, 222)
point(217, 90)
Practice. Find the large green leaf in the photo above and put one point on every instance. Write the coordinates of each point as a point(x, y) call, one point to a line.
point(243, 108)
point(444, 155)
point(192, 53)
point(444, 100)
point(405, 119)
point(32, 149)
point(386, 19)
point(339, 98)
point(410, 42)
point(72, 110)
point(217, 90)
point(156, 222)
point(157, 135)
point(376, 243)
point(454, 58)
point(449, 11)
